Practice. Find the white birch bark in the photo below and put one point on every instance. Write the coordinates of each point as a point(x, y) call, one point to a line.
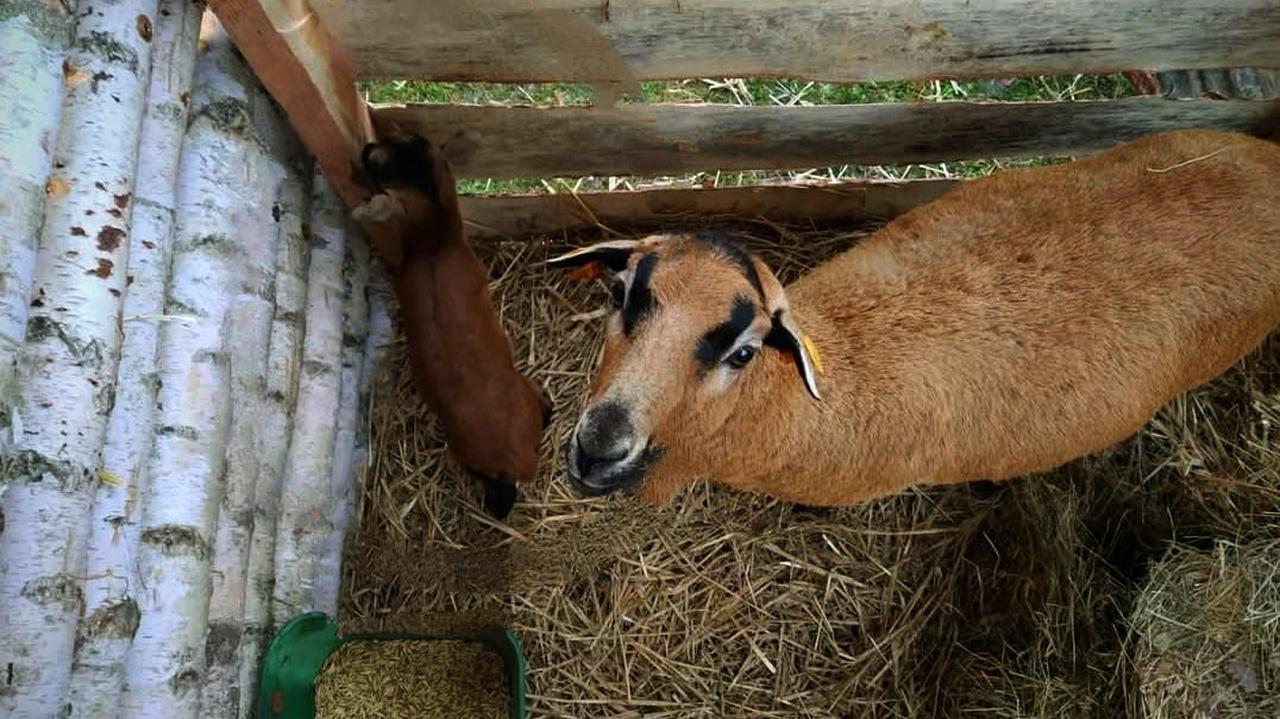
point(222, 171)
point(381, 336)
point(304, 519)
point(347, 466)
point(283, 367)
point(249, 339)
point(67, 365)
point(33, 43)
point(111, 612)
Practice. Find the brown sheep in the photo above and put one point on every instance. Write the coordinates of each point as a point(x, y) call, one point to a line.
point(1017, 323)
point(492, 416)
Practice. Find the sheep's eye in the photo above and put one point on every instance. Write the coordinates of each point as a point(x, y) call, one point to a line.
point(741, 357)
point(619, 292)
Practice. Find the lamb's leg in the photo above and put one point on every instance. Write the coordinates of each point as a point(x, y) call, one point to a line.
point(378, 208)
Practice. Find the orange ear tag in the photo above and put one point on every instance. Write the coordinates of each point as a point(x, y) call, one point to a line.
point(588, 272)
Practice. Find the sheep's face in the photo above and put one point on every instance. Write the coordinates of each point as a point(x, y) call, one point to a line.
point(697, 325)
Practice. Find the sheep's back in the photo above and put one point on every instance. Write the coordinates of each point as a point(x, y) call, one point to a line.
point(1038, 315)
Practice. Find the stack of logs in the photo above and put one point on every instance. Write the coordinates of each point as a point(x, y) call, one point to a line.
point(188, 326)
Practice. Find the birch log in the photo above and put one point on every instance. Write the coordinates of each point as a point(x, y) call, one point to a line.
point(67, 368)
point(221, 172)
point(111, 583)
point(381, 335)
point(248, 339)
point(283, 366)
point(304, 501)
point(347, 468)
point(33, 42)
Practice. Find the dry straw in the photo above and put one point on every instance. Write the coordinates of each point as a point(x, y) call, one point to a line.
point(1208, 628)
point(998, 600)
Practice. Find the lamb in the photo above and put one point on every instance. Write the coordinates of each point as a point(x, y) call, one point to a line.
point(493, 417)
point(1018, 322)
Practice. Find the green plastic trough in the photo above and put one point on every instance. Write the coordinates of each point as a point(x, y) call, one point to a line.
point(299, 650)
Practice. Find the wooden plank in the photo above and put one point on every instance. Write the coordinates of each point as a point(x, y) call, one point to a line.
point(834, 40)
point(1241, 82)
point(670, 139)
point(310, 74)
point(518, 216)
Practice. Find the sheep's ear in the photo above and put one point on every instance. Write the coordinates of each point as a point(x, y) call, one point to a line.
point(612, 254)
point(786, 334)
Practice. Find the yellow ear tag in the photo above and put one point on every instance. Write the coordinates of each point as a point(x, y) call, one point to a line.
point(813, 354)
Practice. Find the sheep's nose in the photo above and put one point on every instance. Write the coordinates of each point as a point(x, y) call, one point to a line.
point(588, 463)
point(605, 437)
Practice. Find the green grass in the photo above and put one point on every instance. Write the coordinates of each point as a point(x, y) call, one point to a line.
point(758, 93)
point(477, 93)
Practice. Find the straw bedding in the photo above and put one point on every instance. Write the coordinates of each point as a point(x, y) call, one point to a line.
point(1012, 600)
point(1208, 628)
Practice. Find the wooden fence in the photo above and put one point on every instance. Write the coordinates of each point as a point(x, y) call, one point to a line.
point(614, 45)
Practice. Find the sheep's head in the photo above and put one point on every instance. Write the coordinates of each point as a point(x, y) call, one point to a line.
point(698, 325)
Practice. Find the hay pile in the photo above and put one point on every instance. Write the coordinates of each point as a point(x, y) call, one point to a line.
point(1005, 600)
point(1208, 627)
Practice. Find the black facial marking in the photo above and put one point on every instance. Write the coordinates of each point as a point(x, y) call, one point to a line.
point(612, 417)
point(618, 293)
point(605, 436)
point(640, 301)
point(719, 340)
point(732, 251)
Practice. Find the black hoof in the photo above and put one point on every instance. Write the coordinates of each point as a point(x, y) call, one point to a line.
point(499, 498)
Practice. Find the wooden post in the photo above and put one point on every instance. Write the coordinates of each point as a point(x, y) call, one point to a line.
point(310, 75)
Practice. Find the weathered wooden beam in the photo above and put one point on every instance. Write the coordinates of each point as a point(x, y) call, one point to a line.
point(310, 74)
point(836, 40)
point(519, 216)
point(670, 139)
point(1230, 83)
